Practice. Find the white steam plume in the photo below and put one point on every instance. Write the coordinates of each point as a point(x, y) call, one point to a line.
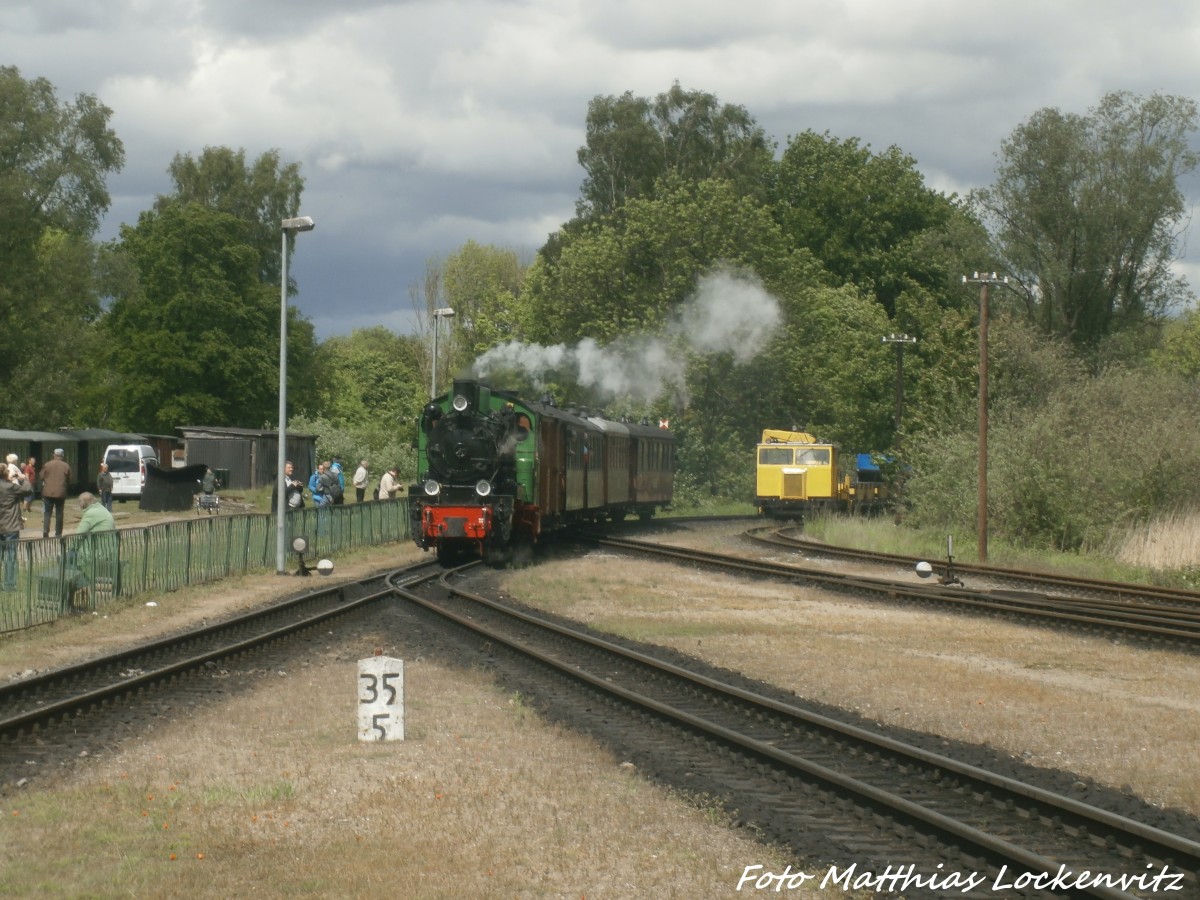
point(728, 314)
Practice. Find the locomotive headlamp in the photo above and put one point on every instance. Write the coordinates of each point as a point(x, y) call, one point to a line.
point(483, 488)
point(460, 402)
point(432, 488)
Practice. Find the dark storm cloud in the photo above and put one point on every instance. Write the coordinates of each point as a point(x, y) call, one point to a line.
point(420, 125)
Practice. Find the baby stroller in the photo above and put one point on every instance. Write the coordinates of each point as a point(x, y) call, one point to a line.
point(207, 500)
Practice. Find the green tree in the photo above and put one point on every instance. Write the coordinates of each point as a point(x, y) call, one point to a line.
point(53, 364)
point(262, 193)
point(481, 284)
point(868, 217)
point(841, 385)
point(369, 380)
point(626, 273)
point(632, 142)
point(195, 340)
point(54, 158)
point(1061, 476)
point(1087, 212)
point(637, 271)
point(1179, 351)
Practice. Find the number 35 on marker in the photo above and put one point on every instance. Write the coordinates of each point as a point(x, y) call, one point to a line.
point(380, 699)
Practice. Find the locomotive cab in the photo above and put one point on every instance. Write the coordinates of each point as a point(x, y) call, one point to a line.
point(795, 472)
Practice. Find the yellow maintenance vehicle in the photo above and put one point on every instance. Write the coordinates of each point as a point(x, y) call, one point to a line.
point(796, 474)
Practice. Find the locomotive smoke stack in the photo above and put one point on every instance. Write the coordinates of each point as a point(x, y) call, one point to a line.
point(469, 389)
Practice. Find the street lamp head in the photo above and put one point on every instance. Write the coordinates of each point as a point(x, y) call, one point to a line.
point(303, 223)
point(444, 313)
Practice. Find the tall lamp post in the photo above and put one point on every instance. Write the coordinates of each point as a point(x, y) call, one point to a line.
point(288, 226)
point(983, 279)
point(444, 312)
point(900, 341)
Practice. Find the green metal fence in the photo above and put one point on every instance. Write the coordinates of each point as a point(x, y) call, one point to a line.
point(44, 579)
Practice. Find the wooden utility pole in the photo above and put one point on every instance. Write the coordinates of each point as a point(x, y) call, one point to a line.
point(983, 279)
point(900, 341)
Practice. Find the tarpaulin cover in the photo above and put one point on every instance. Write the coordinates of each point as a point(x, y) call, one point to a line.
point(169, 490)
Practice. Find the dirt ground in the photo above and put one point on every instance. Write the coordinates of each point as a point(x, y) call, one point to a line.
point(271, 795)
point(484, 798)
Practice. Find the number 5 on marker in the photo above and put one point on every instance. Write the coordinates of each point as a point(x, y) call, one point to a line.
point(380, 699)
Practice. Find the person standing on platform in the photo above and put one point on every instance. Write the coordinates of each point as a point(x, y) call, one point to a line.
point(294, 498)
point(316, 485)
point(31, 477)
point(361, 478)
point(12, 491)
point(104, 486)
point(389, 484)
point(337, 494)
point(56, 478)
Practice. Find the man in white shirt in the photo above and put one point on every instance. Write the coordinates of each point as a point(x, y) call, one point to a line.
point(360, 481)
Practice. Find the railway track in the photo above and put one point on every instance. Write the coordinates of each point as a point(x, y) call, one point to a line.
point(865, 802)
point(32, 705)
point(1133, 615)
point(1116, 591)
point(947, 827)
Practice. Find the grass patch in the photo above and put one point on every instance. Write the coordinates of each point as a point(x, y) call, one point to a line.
point(883, 535)
point(716, 507)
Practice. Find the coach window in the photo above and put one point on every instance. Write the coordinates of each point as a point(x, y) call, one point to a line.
point(813, 456)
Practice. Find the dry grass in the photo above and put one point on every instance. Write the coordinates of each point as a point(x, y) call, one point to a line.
point(1161, 552)
point(1170, 541)
point(272, 795)
point(1125, 716)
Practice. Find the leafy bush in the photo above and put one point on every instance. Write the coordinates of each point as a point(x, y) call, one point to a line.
point(382, 446)
point(1071, 457)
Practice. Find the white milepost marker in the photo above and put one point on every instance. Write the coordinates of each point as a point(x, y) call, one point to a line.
point(380, 699)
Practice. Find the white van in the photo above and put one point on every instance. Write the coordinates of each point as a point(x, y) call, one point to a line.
point(127, 466)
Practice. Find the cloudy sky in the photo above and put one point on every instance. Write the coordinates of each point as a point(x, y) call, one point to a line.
point(421, 124)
